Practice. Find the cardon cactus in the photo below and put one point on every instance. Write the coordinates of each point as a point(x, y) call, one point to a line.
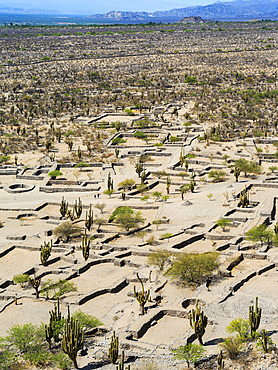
point(142, 297)
point(89, 218)
point(45, 252)
point(73, 340)
point(254, 317)
point(113, 348)
point(220, 361)
point(78, 208)
point(198, 322)
point(121, 365)
point(55, 320)
point(48, 334)
point(236, 173)
point(85, 246)
point(35, 283)
point(64, 207)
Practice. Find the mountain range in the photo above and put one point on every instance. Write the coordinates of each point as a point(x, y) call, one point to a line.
point(237, 9)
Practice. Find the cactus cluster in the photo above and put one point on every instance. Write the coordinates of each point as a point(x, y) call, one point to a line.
point(198, 321)
point(113, 348)
point(73, 339)
point(254, 317)
point(55, 320)
point(85, 246)
point(143, 296)
point(45, 252)
point(89, 218)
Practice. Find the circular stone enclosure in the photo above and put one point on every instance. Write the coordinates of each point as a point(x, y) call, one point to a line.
point(19, 188)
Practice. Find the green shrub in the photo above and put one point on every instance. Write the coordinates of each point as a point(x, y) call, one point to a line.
point(82, 164)
point(174, 139)
point(55, 173)
point(21, 279)
point(191, 268)
point(232, 346)
point(239, 326)
point(190, 80)
point(4, 158)
point(139, 135)
point(191, 353)
point(118, 140)
point(86, 320)
point(54, 290)
point(120, 210)
point(217, 175)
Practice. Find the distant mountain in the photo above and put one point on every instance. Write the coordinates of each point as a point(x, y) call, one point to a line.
point(12, 10)
point(236, 9)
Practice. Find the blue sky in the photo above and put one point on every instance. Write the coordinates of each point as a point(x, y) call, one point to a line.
point(102, 6)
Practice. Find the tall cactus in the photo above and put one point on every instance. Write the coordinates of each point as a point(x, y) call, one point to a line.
point(220, 362)
point(48, 334)
point(73, 340)
point(254, 317)
point(78, 208)
point(45, 252)
point(64, 207)
point(89, 218)
point(121, 365)
point(85, 246)
point(198, 321)
point(55, 320)
point(168, 184)
point(236, 173)
point(276, 228)
point(142, 297)
point(113, 348)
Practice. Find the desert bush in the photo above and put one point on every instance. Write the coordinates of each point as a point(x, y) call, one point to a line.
point(191, 353)
point(54, 174)
point(191, 268)
point(54, 290)
point(239, 326)
point(232, 345)
point(217, 175)
point(66, 229)
point(86, 320)
point(159, 258)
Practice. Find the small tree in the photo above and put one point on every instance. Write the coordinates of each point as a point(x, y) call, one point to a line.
point(191, 353)
point(157, 195)
point(260, 234)
point(99, 221)
point(127, 184)
point(223, 222)
point(159, 258)
point(192, 268)
point(129, 220)
point(100, 206)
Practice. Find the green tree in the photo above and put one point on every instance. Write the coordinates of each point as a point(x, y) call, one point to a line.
point(128, 220)
point(127, 184)
point(191, 268)
point(260, 234)
point(223, 223)
point(54, 174)
point(191, 353)
point(159, 258)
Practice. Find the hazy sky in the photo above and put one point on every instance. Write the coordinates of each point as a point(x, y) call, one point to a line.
point(102, 6)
